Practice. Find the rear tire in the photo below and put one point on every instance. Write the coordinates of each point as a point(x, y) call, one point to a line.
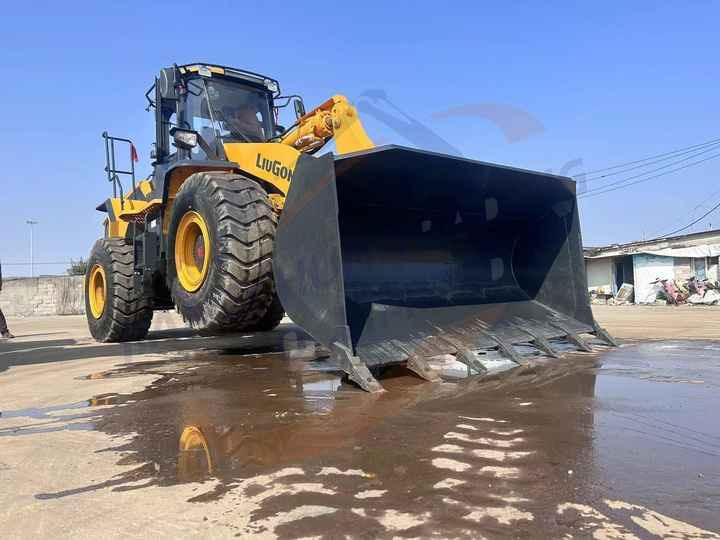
point(220, 266)
point(116, 310)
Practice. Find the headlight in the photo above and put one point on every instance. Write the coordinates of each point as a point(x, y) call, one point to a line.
point(271, 85)
point(184, 138)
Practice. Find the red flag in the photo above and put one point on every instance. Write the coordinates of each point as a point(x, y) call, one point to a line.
point(133, 153)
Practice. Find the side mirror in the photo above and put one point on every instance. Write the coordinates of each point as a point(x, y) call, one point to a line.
point(185, 139)
point(299, 108)
point(167, 82)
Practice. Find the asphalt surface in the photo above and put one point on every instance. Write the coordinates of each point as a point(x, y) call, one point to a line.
point(258, 436)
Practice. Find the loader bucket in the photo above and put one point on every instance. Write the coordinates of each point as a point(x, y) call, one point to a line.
point(394, 253)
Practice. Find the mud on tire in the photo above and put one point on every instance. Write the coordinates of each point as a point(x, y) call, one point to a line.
point(126, 313)
point(238, 287)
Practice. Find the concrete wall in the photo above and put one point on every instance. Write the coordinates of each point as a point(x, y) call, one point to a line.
point(600, 275)
point(683, 268)
point(647, 268)
point(62, 295)
point(712, 268)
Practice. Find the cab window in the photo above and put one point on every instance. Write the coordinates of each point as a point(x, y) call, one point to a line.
point(225, 111)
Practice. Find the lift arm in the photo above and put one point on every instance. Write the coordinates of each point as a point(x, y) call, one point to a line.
point(335, 118)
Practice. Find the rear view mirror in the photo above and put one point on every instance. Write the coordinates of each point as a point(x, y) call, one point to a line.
point(299, 107)
point(167, 82)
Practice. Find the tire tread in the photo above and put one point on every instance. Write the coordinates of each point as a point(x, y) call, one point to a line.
point(242, 287)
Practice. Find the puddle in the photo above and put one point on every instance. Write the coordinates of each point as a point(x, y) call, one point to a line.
point(43, 412)
point(538, 448)
point(56, 417)
point(657, 434)
point(228, 416)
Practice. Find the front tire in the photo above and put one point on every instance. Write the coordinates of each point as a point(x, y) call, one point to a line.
point(116, 310)
point(272, 318)
point(221, 238)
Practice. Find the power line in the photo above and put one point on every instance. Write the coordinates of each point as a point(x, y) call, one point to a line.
point(712, 141)
point(690, 214)
point(706, 214)
point(643, 165)
point(624, 180)
point(602, 190)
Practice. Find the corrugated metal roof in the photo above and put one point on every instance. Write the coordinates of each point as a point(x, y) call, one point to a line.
point(711, 237)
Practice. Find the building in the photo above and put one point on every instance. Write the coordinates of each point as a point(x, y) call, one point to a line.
point(642, 263)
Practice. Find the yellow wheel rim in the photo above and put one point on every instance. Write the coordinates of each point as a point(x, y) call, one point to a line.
point(192, 251)
point(97, 291)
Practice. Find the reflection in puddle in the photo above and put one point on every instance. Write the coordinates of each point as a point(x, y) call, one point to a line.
point(270, 421)
point(194, 460)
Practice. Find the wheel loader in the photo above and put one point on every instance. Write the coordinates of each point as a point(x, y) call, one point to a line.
point(383, 255)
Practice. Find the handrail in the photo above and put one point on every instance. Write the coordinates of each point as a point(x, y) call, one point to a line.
point(111, 168)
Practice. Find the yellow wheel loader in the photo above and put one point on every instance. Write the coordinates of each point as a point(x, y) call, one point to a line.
point(383, 254)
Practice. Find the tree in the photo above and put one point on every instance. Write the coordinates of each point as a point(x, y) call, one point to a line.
point(77, 268)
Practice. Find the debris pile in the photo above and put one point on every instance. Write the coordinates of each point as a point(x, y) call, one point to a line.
point(625, 295)
point(691, 291)
point(663, 292)
point(599, 296)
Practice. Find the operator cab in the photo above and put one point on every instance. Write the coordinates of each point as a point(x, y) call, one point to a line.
point(219, 104)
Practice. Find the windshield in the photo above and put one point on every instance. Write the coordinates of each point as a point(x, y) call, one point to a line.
point(232, 112)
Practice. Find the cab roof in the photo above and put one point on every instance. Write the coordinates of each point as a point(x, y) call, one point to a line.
point(204, 68)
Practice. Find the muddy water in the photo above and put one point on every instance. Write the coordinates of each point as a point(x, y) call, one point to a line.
point(625, 445)
point(657, 427)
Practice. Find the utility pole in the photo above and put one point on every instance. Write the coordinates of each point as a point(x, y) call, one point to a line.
point(32, 224)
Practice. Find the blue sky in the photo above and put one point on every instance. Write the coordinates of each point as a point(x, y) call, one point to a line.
point(538, 85)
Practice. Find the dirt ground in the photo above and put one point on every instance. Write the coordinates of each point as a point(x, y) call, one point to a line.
point(660, 322)
point(258, 436)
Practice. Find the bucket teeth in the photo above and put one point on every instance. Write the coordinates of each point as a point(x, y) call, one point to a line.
point(573, 337)
point(604, 336)
point(468, 358)
point(539, 341)
point(422, 369)
point(544, 345)
point(506, 349)
point(355, 368)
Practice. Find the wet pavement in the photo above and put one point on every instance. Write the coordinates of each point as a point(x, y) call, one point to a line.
point(621, 444)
